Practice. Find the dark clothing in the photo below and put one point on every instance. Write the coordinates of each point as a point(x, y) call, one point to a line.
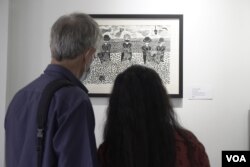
point(106, 47)
point(127, 52)
point(160, 53)
point(69, 138)
point(198, 152)
point(182, 159)
point(104, 56)
point(161, 48)
point(146, 51)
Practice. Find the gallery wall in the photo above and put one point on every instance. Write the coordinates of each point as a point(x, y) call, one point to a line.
point(4, 17)
point(216, 55)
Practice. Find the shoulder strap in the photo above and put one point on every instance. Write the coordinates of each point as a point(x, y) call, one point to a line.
point(43, 108)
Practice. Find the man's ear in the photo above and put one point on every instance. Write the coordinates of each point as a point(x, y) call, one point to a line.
point(90, 51)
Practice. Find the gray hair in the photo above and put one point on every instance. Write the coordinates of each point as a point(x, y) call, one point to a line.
point(72, 34)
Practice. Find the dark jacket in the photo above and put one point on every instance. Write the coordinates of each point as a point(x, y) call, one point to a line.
point(69, 139)
point(198, 153)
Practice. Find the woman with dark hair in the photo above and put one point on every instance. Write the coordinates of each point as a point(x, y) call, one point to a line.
point(141, 128)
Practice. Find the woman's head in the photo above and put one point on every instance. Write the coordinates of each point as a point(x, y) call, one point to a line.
point(140, 92)
point(140, 119)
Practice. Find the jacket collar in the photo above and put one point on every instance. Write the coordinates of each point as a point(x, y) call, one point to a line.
point(62, 72)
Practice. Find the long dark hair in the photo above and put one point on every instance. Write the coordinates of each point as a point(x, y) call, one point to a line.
point(141, 124)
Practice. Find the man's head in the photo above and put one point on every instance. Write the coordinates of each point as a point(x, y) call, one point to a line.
point(74, 38)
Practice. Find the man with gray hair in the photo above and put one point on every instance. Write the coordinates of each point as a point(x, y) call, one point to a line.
point(69, 139)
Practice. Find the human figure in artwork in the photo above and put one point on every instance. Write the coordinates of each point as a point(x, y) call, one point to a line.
point(146, 49)
point(160, 50)
point(104, 56)
point(127, 51)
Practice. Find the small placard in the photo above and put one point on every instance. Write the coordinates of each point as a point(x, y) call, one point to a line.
point(200, 93)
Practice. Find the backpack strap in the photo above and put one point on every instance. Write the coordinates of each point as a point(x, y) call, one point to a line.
point(43, 108)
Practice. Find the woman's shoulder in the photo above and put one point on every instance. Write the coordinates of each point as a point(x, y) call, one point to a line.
point(187, 137)
point(102, 147)
point(182, 134)
point(102, 154)
point(187, 145)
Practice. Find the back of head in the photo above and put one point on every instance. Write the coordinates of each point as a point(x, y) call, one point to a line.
point(72, 34)
point(140, 120)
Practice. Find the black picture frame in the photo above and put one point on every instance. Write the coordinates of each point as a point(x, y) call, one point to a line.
point(168, 27)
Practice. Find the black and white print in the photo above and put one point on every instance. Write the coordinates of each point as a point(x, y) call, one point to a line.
point(125, 45)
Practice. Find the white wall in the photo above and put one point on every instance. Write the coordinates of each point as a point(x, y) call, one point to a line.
point(4, 17)
point(216, 53)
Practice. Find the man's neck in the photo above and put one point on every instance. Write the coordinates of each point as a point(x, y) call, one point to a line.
point(71, 65)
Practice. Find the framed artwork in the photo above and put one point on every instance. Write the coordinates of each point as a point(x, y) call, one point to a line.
point(155, 41)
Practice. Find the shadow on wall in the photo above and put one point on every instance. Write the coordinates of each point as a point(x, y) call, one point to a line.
point(176, 102)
